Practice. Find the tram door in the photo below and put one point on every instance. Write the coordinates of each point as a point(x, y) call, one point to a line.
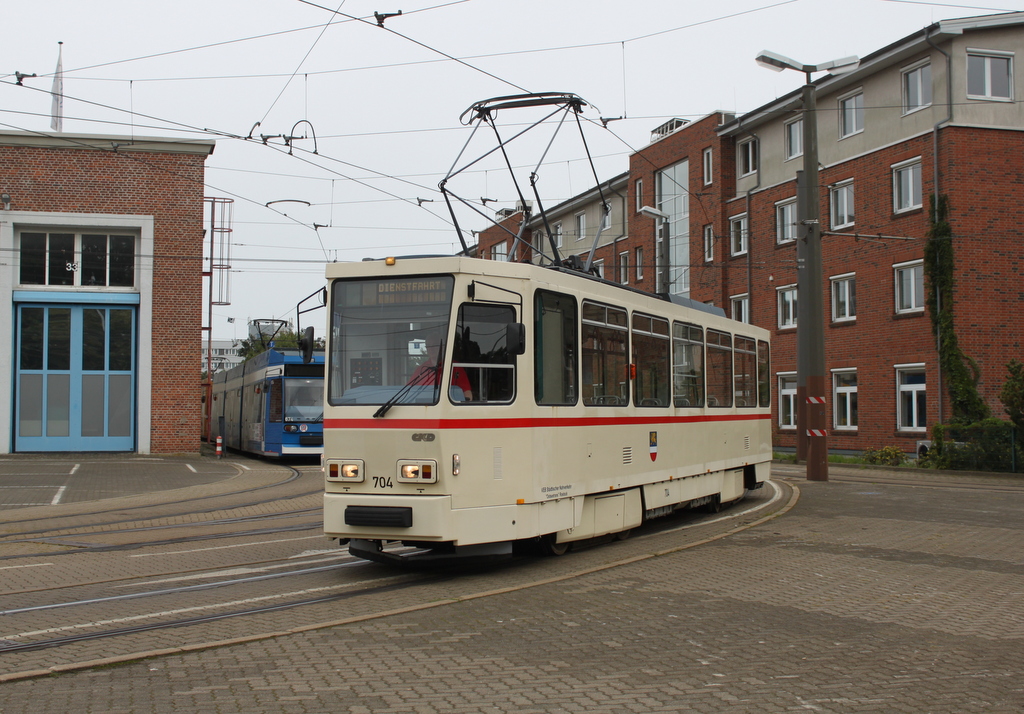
point(75, 378)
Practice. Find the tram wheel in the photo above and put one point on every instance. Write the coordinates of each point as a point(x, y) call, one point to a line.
point(623, 535)
point(552, 548)
point(715, 505)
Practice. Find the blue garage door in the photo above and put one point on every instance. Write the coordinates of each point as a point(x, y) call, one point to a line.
point(75, 378)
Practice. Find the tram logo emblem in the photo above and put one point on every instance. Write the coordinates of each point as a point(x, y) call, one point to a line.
point(654, 446)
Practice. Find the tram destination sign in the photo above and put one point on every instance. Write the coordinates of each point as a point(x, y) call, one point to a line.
point(408, 291)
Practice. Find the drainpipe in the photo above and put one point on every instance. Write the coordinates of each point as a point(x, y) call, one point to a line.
point(935, 188)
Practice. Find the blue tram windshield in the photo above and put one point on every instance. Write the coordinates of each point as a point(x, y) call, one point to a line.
point(386, 335)
point(303, 399)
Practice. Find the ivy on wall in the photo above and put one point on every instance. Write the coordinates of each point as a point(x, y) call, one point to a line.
point(960, 372)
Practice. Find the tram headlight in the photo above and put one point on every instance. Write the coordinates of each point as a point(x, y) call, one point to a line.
point(417, 472)
point(349, 470)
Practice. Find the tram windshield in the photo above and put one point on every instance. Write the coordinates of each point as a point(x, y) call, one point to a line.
point(303, 399)
point(387, 335)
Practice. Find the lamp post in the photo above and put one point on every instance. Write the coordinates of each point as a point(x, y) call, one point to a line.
point(811, 384)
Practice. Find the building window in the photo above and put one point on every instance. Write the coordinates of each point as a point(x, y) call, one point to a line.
point(794, 139)
point(909, 286)
point(606, 218)
point(989, 75)
point(917, 87)
point(906, 185)
point(851, 114)
point(624, 268)
point(499, 251)
point(639, 253)
point(787, 306)
point(581, 225)
point(557, 230)
point(639, 184)
point(841, 201)
point(708, 166)
point(787, 400)
point(844, 298)
point(844, 399)
point(785, 221)
point(599, 268)
point(673, 199)
point(911, 398)
point(77, 259)
point(740, 305)
point(738, 235)
point(746, 154)
point(709, 243)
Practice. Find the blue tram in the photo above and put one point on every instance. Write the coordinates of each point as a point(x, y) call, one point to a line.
point(271, 405)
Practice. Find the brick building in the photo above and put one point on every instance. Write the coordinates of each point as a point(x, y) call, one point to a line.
point(102, 277)
point(936, 112)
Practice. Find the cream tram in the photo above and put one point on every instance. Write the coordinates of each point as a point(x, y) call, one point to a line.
point(473, 404)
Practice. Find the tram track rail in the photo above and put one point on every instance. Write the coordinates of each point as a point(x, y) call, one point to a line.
point(1013, 483)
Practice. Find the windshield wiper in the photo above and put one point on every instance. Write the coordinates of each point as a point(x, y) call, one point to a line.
point(433, 373)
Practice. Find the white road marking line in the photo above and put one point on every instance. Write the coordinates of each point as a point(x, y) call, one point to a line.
point(31, 486)
point(191, 468)
point(224, 547)
point(59, 495)
point(73, 469)
point(244, 467)
point(33, 565)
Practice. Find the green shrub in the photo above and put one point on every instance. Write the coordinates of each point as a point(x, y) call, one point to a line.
point(886, 456)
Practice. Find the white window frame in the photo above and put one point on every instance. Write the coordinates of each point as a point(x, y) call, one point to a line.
point(606, 219)
point(844, 287)
point(989, 55)
point(581, 225)
point(599, 268)
point(708, 163)
point(844, 217)
point(913, 77)
point(788, 306)
point(639, 253)
point(556, 229)
point(624, 267)
point(857, 126)
point(844, 395)
point(738, 235)
point(499, 251)
point(709, 243)
point(742, 302)
point(916, 301)
point(639, 190)
point(793, 132)
point(746, 157)
point(916, 391)
point(783, 223)
point(787, 396)
point(900, 171)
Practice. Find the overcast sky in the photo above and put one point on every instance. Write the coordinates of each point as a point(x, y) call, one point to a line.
point(384, 103)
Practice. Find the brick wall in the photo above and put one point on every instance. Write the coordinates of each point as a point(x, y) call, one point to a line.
point(169, 187)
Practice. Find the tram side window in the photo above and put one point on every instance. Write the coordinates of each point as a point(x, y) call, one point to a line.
point(483, 369)
point(688, 364)
point(554, 350)
point(275, 401)
point(719, 369)
point(764, 374)
point(746, 372)
point(651, 348)
point(605, 355)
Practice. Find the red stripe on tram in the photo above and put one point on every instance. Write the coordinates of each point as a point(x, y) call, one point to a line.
point(531, 422)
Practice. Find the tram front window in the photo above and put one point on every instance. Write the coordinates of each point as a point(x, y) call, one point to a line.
point(387, 336)
point(303, 399)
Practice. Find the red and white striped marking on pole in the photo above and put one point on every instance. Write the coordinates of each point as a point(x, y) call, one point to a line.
point(220, 446)
point(816, 432)
point(815, 400)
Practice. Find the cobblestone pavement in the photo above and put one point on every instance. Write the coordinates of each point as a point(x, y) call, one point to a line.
point(866, 597)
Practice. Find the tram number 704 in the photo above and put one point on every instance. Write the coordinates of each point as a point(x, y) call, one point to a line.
point(382, 482)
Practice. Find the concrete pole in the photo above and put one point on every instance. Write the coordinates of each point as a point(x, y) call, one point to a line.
point(811, 318)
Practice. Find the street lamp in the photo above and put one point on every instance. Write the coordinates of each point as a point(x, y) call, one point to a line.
point(811, 385)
